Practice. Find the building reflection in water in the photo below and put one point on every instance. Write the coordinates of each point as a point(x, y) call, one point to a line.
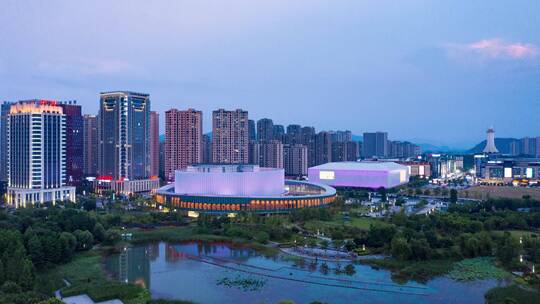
point(132, 265)
point(219, 250)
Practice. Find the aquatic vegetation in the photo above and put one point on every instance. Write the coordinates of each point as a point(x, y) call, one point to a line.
point(477, 269)
point(245, 284)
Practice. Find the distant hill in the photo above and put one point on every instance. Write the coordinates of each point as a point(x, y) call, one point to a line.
point(502, 144)
point(433, 148)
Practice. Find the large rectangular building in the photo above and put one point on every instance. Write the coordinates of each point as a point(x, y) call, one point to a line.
point(366, 174)
point(4, 112)
point(124, 142)
point(375, 145)
point(295, 160)
point(183, 140)
point(36, 154)
point(154, 143)
point(271, 154)
point(90, 144)
point(230, 137)
point(74, 141)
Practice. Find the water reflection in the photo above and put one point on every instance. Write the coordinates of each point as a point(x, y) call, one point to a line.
point(210, 272)
point(133, 264)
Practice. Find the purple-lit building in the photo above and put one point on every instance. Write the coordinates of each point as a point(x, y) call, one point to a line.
point(236, 188)
point(74, 141)
point(366, 174)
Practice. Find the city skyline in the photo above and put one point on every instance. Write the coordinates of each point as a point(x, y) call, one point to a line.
point(264, 57)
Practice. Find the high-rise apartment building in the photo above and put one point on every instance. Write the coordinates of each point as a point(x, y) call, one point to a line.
point(279, 133)
point(183, 140)
point(207, 149)
point(252, 133)
point(403, 149)
point(74, 141)
point(124, 143)
point(36, 154)
point(294, 135)
point(323, 148)
point(345, 151)
point(375, 145)
point(265, 129)
point(253, 152)
point(4, 111)
point(308, 139)
point(341, 135)
point(271, 154)
point(230, 139)
point(154, 143)
point(295, 160)
point(90, 144)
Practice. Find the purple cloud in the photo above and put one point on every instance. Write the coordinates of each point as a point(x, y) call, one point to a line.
point(494, 48)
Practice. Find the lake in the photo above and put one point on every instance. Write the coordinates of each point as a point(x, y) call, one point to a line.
point(220, 272)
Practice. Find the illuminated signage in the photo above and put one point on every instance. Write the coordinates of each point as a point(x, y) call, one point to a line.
point(421, 170)
point(327, 175)
point(507, 172)
point(529, 172)
point(402, 176)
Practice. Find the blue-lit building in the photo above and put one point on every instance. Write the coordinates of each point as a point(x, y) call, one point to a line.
point(124, 143)
point(36, 154)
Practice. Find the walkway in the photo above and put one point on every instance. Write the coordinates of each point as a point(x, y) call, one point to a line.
point(85, 299)
point(81, 299)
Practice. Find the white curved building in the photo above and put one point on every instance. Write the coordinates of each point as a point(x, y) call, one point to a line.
point(229, 180)
point(236, 188)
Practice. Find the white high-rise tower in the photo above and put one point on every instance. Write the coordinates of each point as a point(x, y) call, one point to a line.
point(490, 142)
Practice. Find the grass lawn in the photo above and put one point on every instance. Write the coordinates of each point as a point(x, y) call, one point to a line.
point(362, 223)
point(86, 276)
point(512, 294)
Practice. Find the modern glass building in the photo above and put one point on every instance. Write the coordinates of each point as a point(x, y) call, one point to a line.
point(124, 140)
point(36, 162)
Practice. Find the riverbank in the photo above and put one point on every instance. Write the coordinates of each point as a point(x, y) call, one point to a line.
point(86, 276)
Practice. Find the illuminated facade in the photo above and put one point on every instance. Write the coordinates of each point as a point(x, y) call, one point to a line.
point(232, 189)
point(366, 174)
point(124, 138)
point(36, 154)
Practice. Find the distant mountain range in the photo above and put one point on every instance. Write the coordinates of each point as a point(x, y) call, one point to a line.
point(502, 144)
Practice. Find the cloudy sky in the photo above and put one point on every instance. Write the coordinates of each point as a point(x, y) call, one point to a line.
point(429, 71)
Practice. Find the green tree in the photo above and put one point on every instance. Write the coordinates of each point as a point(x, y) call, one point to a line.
point(453, 196)
point(35, 251)
point(68, 244)
point(383, 194)
point(400, 248)
point(99, 232)
point(112, 237)
point(508, 249)
point(85, 240)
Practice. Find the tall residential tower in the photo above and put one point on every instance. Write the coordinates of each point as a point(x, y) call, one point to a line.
point(230, 138)
point(183, 140)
